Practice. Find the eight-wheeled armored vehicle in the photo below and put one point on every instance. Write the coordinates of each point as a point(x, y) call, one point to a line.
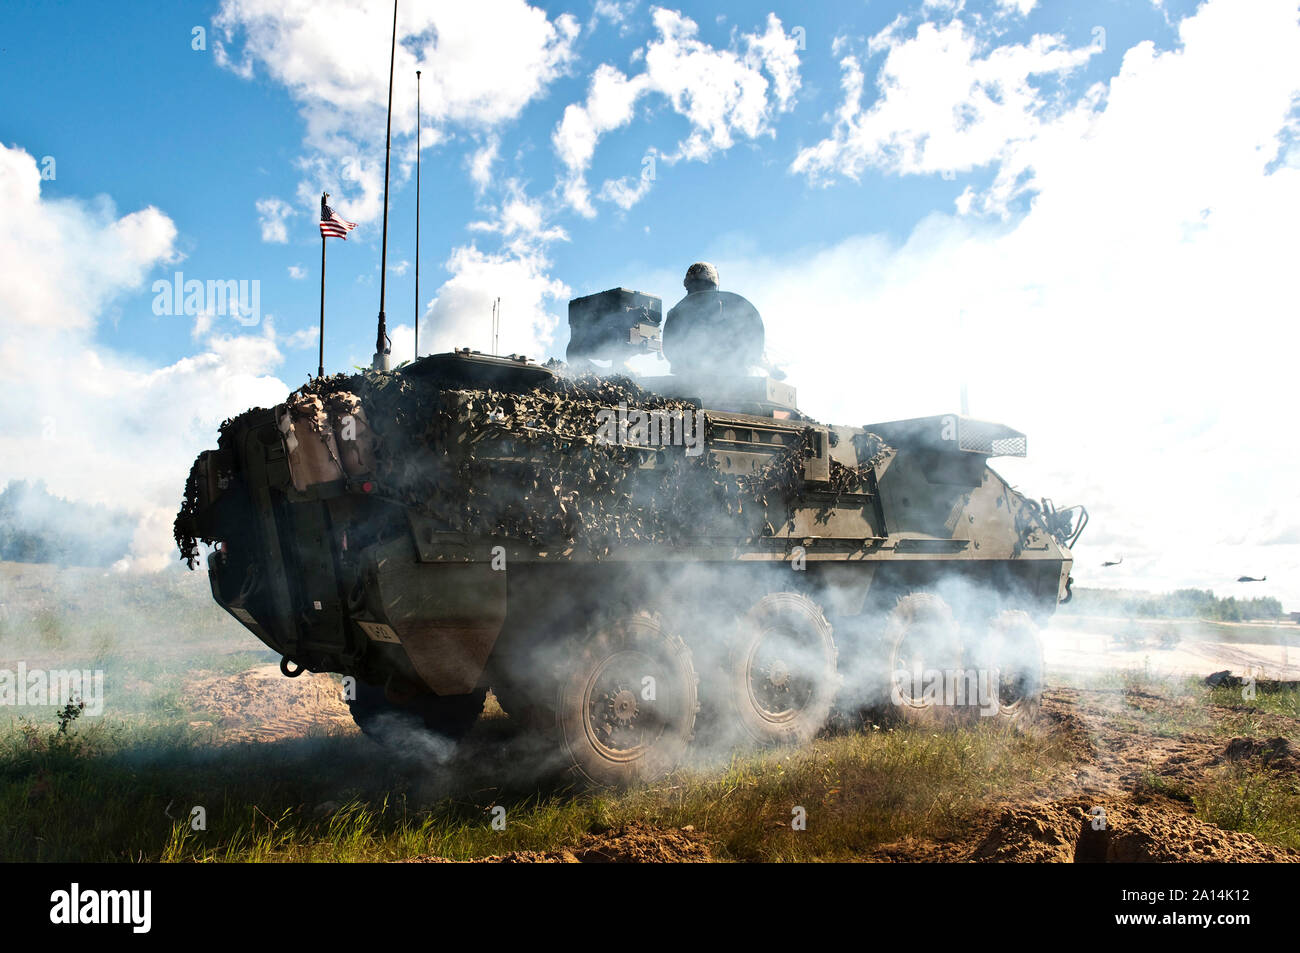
point(630, 565)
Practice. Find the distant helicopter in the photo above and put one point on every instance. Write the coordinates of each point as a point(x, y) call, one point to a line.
point(1252, 579)
point(1112, 562)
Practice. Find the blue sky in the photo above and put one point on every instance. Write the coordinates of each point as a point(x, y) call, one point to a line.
point(1065, 204)
point(146, 119)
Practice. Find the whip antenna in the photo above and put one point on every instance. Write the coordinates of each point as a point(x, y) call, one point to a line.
point(417, 215)
point(380, 362)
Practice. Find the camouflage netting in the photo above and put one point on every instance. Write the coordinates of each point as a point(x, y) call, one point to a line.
point(182, 530)
point(528, 464)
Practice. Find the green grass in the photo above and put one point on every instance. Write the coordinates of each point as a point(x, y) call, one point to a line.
point(102, 792)
point(1243, 796)
point(1172, 788)
point(1250, 797)
point(145, 632)
point(120, 787)
point(1254, 799)
point(1285, 703)
point(109, 789)
point(1172, 706)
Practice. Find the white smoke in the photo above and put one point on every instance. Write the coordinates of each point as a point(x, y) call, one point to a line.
point(96, 425)
point(1133, 321)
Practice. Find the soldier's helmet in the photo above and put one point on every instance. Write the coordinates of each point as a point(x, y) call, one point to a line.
point(701, 276)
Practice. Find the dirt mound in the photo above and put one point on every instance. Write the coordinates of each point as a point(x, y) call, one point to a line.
point(1127, 763)
point(1273, 752)
point(1155, 836)
point(1041, 833)
point(634, 844)
point(1129, 831)
point(262, 705)
point(1226, 679)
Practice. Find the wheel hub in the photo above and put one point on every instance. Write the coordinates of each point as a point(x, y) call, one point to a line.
point(623, 705)
point(617, 722)
point(775, 688)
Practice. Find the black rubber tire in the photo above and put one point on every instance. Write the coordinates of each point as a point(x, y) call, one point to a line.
point(786, 639)
point(1018, 658)
point(921, 631)
point(449, 716)
point(593, 720)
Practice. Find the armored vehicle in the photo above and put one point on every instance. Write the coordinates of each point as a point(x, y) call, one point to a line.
point(631, 566)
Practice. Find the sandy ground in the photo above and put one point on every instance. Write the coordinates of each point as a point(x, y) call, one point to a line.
point(1093, 646)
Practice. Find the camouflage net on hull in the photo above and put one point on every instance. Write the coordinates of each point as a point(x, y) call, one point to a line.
point(182, 528)
point(530, 465)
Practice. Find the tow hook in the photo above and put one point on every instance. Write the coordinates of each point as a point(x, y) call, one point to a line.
point(286, 671)
point(1069, 589)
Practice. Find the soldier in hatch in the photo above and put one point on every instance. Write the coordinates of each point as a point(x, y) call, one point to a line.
point(711, 332)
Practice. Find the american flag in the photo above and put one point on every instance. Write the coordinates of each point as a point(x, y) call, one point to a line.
point(332, 224)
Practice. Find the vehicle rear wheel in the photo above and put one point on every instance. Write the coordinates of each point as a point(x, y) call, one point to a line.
point(925, 656)
point(781, 673)
point(627, 701)
point(450, 716)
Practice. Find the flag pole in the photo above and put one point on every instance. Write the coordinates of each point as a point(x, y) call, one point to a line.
point(320, 370)
point(417, 215)
point(380, 361)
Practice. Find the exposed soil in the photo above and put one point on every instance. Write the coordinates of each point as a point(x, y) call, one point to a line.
point(1104, 810)
point(1120, 801)
point(1276, 753)
point(1135, 831)
point(262, 705)
point(636, 844)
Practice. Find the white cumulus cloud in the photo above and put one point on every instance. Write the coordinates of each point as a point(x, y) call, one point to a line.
point(95, 424)
point(722, 93)
point(1138, 320)
point(460, 315)
point(947, 101)
point(482, 63)
point(271, 216)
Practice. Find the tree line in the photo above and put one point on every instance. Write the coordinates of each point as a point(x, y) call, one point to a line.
point(1179, 604)
point(39, 527)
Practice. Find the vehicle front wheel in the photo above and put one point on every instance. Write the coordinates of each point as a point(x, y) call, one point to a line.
point(1017, 651)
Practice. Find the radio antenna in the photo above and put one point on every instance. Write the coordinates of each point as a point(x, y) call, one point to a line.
point(496, 325)
point(417, 215)
point(382, 349)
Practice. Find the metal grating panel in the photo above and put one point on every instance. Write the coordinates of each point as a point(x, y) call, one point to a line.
point(996, 440)
point(1010, 447)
